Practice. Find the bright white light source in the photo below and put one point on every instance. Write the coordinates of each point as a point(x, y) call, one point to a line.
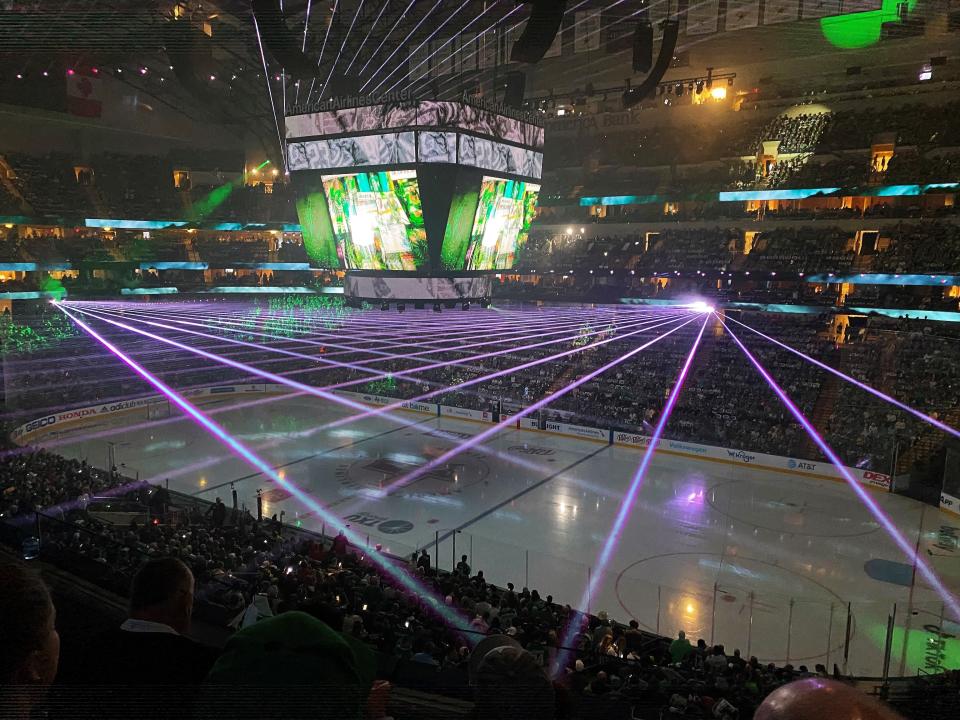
point(701, 306)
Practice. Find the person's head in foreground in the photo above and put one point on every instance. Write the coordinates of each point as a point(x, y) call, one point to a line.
point(288, 667)
point(509, 685)
point(818, 699)
point(30, 651)
point(162, 592)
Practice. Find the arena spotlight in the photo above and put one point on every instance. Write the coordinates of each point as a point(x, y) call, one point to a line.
point(701, 307)
point(465, 305)
point(437, 308)
point(384, 306)
point(678, 90)
point(699, 86)
point(484, 303)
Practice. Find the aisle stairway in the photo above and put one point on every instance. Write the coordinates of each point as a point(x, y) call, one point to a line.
point(823, 409)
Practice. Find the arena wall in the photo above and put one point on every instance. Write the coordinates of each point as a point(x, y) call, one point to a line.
point(157, 406)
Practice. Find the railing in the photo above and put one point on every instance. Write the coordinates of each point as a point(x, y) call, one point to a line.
point(875, 639)
point(807, 624)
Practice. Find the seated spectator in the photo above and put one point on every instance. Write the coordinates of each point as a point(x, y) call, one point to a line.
point(717, 661)
point(633, 639)
point(151, 647)
point(31, 645)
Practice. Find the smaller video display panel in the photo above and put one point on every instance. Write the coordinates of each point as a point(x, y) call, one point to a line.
point(501, 225)
point(377, 220)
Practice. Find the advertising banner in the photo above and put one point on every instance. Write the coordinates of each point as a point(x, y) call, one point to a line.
point(581, 431)
point(949, 503)
point(465, 413)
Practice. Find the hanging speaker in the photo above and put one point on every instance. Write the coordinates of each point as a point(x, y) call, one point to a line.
point(280, 41)
point(643, 44)
point(671, 30)
point(542, 27)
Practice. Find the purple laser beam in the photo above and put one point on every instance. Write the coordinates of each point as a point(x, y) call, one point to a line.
point(477, 439)
point(383, 409)
point(406, 374)
point(892, 530)
point(627, 504)
point(488, 332)
point(863, 386)
point(364, 410)
point(401, 577)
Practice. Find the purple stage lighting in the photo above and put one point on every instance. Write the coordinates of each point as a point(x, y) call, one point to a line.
point(480, 437)
point(376, 375)
point(364, 411)
point(627, 504)
point(853, 381)
point(396, 573)
point(893, 531)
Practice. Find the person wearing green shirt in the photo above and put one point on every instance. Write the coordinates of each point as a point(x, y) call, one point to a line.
point(680, 647)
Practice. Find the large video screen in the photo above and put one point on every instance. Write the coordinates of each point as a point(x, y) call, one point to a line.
point(377, 220)
point(501, 224)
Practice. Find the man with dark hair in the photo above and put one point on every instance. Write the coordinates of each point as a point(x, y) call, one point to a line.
point(31, 645)
point(218, 513)
point(632, 639)
point(151, 647)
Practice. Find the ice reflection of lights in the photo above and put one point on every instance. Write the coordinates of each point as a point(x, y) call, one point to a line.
point(401, 577)
point(630, 499)
point(349, 434)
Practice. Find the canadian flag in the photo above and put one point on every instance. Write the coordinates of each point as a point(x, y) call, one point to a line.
point(83, 94)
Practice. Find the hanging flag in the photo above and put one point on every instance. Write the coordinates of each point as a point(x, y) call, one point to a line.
point(742, 14)
point(819, 8)
point(778, 11)
point(488, 49)
point(702, 17)
point(452, 49)
point(511, 33)
point(83, 94)
point(468, 52)
point(441, 58)
point(415, 58)
point(586, 31)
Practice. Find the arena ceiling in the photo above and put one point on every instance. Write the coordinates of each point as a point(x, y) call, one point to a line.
point(204, 60)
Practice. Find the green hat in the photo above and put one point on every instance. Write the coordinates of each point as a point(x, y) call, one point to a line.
point(293, 665)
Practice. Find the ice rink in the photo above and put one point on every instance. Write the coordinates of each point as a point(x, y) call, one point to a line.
point(779, 566)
